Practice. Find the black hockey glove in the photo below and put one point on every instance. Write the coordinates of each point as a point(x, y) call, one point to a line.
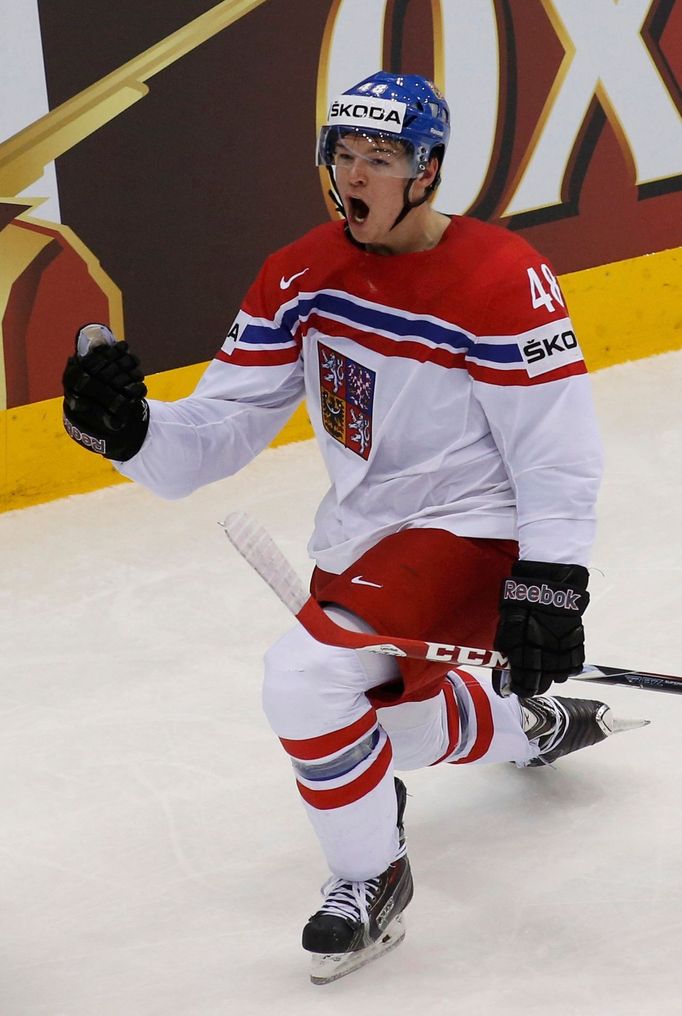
point(540, 629)
point(104, 401)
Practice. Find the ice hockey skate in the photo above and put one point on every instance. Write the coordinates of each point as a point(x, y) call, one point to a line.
point(360, 921)
point(560, 726)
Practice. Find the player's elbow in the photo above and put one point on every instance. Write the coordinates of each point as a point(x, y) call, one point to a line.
point(166, 485)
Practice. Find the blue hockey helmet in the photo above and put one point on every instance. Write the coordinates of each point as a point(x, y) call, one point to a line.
point(398, 107)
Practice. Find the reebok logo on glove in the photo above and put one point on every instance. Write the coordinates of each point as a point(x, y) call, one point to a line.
point(95, 444)
point(568, 599)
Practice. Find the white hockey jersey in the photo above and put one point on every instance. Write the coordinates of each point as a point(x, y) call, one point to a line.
point(446, 389)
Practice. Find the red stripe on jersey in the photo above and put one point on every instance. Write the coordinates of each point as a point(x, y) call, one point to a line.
point(452, 714)
point(326, 744)
point(260, 357)
point(484, 720)
point(324, 800)
point(409, 350)
point(493, 376)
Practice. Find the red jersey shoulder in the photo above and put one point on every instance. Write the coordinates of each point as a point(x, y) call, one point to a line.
point(517, 286)
point(523, 292)
point(489, 242)
point(513, 295)
point(311, 243)
point(299, 267)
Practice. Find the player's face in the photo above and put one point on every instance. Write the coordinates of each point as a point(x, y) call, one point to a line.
point(371, 174)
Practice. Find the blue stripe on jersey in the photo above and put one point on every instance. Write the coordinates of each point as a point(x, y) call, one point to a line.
point(378, 320)
point(395, 324)
point(508, 352)
point(258, 335)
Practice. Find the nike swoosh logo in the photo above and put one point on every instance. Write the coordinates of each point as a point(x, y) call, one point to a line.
point(285, 283)
point(357, 580)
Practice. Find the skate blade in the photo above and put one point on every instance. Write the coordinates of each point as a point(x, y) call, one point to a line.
point(620, 726)
point(610, 724)
point(328, 967)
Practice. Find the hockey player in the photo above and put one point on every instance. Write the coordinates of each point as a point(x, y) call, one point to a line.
point(450, 400)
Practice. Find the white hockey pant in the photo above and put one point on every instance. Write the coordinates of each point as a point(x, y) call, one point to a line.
point(344, 751)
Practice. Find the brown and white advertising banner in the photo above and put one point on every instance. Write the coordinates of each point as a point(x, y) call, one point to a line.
point(152, 155)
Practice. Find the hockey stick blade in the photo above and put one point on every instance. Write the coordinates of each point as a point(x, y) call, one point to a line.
point(259, 550)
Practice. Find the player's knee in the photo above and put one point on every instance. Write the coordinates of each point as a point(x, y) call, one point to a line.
point(294, 676)
point(311, 687)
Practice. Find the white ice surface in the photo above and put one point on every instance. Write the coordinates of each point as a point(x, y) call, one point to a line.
point(154, 856)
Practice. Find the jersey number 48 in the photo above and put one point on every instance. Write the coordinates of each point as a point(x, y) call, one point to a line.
point(539, 295)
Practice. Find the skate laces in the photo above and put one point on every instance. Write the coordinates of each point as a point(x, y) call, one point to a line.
point(352, 900)
point(349, 900)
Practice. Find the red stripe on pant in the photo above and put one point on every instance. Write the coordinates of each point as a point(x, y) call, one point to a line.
point(484, 720)
point(452, 714)
point(311, 748)
point(353, 791)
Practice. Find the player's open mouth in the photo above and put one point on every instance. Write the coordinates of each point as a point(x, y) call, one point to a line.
point(358, 210)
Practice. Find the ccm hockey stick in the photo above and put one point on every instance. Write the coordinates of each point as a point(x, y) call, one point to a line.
point(257, 547)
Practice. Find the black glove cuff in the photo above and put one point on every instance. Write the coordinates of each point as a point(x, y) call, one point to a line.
point(119, 445)
point(572, 574)
point(554, 588)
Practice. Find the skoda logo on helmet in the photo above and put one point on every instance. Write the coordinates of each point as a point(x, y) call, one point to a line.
point(348, 111)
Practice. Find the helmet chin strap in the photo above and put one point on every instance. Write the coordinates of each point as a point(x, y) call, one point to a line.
point(334, 194)
point(409, 205)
